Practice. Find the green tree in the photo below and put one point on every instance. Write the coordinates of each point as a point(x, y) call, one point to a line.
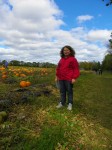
point(107, 62)
point(108, 3)
point(15, 63)
point(90, 65)
point(96, 65)
point(109, 46)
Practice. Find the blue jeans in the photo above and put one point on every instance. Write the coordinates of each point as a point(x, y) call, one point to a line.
point(66, 88)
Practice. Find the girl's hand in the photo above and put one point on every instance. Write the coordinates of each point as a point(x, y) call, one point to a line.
point(73, 81)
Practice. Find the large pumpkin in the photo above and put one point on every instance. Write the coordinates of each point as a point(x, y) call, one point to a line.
point(4, 76)
point(28, 83)
point(23, 84)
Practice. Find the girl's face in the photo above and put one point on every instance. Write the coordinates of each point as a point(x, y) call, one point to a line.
point(66, 52)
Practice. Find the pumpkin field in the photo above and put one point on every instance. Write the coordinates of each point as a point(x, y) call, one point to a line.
point(29, 119)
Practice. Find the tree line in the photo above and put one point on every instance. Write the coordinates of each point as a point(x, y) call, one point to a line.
point(85, 65)
point(28, 64)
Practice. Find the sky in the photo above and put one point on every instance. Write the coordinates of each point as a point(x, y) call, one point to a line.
point(36, 30)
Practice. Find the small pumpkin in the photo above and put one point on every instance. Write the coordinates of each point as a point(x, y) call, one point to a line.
point(4, 73)
point(4, 115)
point(17, 74)
point(22, 75)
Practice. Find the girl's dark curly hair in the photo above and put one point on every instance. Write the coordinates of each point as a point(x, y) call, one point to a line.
point(70, 48)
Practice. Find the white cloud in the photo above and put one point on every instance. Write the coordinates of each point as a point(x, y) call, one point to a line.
point(31, 32)
point(98, 35)
point(84, 18)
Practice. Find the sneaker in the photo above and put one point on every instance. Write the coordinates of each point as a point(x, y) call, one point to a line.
point(69, 106)
point(59, 105)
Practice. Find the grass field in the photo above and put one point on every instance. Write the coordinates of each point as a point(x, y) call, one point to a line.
point(34, 123)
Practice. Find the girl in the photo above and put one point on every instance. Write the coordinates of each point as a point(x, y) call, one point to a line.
point(67, 72)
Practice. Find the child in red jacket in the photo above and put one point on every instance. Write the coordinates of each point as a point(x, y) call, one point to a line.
point(67, 72)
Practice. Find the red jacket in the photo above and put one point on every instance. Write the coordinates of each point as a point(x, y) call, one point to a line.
point(67, 69)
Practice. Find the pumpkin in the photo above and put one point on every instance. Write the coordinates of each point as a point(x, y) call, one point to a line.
point(4, 73)
point(4, 76)
point(23, 84)
point(2, 68)
point(3, 114)
point(22, 75)
point(28, 83)
point(17, 74)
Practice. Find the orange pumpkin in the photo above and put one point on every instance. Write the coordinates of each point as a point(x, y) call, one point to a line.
point(4, 73)
point(2, 68)
point(23, 84)
point(4, 76)
point(28, 83)
point(22, 75)
point(17, 74)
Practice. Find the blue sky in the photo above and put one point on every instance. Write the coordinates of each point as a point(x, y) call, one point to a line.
point(35, 31)
point(96, 8)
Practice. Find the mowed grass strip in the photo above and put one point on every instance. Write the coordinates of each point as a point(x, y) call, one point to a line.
point(94, 101)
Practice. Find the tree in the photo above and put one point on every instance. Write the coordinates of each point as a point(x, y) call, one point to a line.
point(107, 62)
point(90, 65)
point(108, 3)
point(109, 46)
point(15, 63)
point(96, 65)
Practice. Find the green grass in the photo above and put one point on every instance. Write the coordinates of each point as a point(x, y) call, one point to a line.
point(38, 125)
